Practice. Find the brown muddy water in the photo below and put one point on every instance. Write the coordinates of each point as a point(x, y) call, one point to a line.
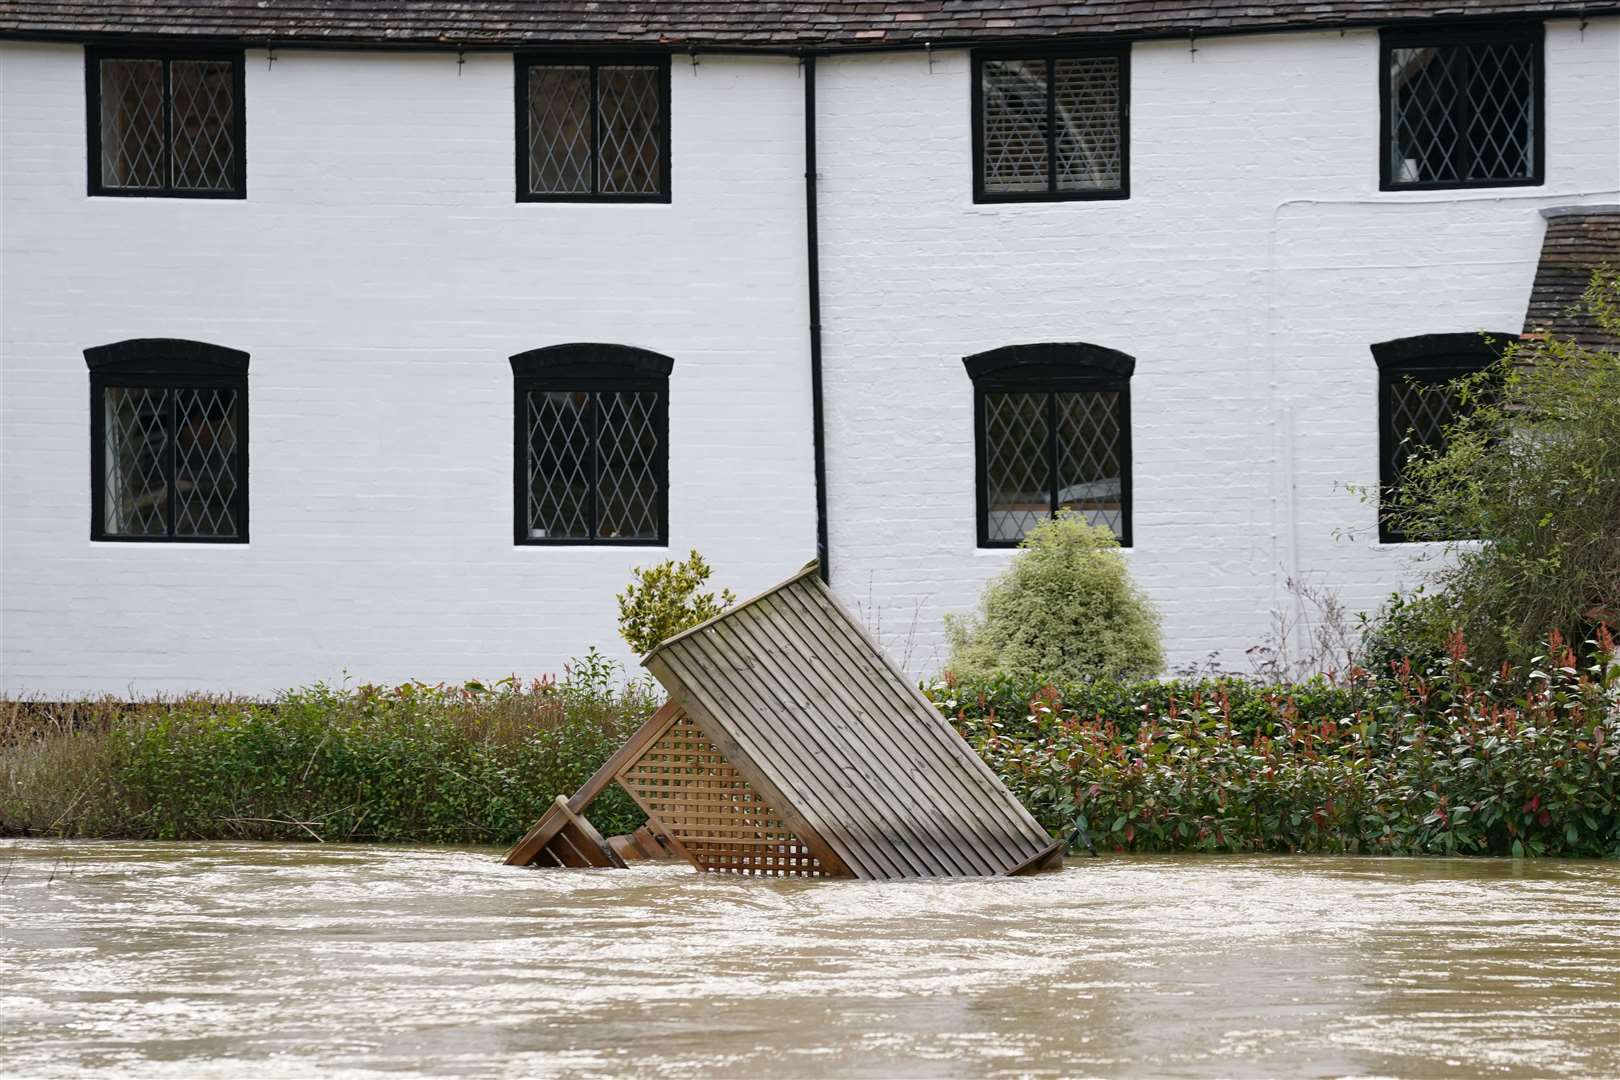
point(270, 961)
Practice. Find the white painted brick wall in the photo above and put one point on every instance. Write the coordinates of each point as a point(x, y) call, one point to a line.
point(380, 273)
point(1252, 266)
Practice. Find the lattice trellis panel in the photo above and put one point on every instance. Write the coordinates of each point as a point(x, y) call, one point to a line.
point(685, 783)
point(1462, 113)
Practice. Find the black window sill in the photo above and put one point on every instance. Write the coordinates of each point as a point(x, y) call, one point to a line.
point(560, 542)
point(139, 193)
point(216, 540)
point(646, 200)
point(1050, 196)
point(1461, 186)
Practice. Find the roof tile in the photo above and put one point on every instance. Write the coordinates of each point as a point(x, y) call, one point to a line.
point(718, 23)
point(1579, 240)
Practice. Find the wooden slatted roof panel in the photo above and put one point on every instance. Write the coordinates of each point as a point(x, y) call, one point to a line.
point(806, 702)
point(778, 24)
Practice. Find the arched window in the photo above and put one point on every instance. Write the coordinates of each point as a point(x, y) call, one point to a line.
point(1415, 406)
point(168, 441)
point(591, 453)
point(1052, 430)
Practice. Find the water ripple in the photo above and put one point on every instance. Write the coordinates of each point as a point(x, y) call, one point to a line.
point(227, 960)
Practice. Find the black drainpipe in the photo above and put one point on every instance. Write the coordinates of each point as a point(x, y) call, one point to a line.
point(817, 418)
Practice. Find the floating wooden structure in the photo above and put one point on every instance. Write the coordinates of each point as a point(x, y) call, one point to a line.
point(792, 746)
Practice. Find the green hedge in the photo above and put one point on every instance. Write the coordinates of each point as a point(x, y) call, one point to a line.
point(1252, 707)
point(1450, 760)
point(1446, 761)
point(426, 764)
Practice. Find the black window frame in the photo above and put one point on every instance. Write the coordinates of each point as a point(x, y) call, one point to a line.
point(523, 61)
point(95, 54)
point(1051, 54)
point(587, 367)
point(1050, 369)
point(1394, 38)
point(169, 364)
point(1429, 359)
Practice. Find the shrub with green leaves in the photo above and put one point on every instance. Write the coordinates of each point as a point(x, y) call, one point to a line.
point(1532, 471)
point(477, 763)
point(1066, 609)
point(665, 599)
point(1453, 759)
point(1253, 707)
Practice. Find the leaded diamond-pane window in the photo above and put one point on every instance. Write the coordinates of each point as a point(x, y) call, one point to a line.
point(165, 123)
point(593, 128)
point(1053, 434)
point(169, 441)
point(1418, 402)
point(1462, 109)
point(1051, 126)
point(592, 453)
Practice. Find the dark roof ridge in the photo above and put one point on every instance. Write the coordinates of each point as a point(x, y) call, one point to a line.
point(1591, 210)
point(772, 26)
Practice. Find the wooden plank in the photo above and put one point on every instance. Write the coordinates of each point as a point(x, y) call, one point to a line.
point(984, 824)
point(839, 743)
point(644, 737)
point(587, 840)
point(986, 779)
point(668, 670)
point(785, 664)
point(785, 714)
point(807, 570)
point(567, 852)
point(938, 786)
point(924, 781)
point(656, 843)
point(928, 734)
point(765, 770)
point(658, 831)
point(811, 771)
point(993, 785)
point(528, 849)
point(534, 841)
point(671, 843)
point(1048, 858)
point(909, 778)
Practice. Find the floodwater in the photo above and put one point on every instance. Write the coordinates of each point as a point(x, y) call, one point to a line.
point(271, 961)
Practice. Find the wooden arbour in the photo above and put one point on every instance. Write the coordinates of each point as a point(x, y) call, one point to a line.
point(791, 746)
